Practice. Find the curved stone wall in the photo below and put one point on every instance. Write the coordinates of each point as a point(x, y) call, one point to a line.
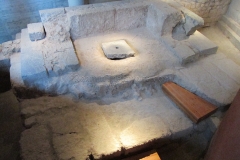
point(209, 10)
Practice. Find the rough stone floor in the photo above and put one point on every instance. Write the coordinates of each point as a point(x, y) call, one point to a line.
point(61, 128)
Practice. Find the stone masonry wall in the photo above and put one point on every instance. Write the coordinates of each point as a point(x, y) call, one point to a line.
point(234, 11)
point(209, 10)
point(15, 14)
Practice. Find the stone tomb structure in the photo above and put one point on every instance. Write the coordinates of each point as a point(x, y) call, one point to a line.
point(118, 106)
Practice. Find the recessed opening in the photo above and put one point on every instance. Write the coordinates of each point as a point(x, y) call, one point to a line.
point(5, 84)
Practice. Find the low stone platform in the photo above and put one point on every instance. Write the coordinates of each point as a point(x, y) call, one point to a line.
point(110, 108)
point(59, 128)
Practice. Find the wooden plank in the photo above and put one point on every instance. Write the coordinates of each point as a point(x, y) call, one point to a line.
point(154, 156)
point(195, 107)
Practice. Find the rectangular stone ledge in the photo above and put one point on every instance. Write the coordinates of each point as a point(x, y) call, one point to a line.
point(185, 54)
point(50, 15)
point(85, 24)
point(114, 16)
point(201, 45)
point(106, 18)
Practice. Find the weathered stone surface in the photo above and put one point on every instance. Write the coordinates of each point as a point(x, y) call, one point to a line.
point(87, 23)
point(6, 50)
point(10, 47)
point(214, 85)
point(162, 18)
point(72, 146)
point(50, 15)
point(143, 131)
point(36, 31)
point(42, 59)
point(191, 21)
point(15, 71)
point(32, 62)
point(102, 18)
point(117, 50)
point(56, 24)
point(103, 129)
point(131, 16)
point(184, 49)
point(185, 54)
point(59, 58)
point(38, 146)
point(201, 45)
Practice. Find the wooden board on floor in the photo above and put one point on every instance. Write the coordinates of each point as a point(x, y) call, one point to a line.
point(195, 107)
point(152, 157)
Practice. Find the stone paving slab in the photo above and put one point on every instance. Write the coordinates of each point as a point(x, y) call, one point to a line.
point(210, 81)
point(43, 58)
point(78, 129)
point(38, 146)
point(191, 48)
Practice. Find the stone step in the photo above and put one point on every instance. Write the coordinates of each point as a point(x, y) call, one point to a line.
point(201, 45)
point(190, 49)
point(195, 107)
point(227, 31)
point(232, 24)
